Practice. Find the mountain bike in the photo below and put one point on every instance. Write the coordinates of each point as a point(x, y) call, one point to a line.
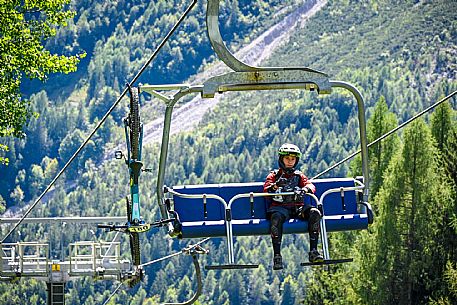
point(134, 138)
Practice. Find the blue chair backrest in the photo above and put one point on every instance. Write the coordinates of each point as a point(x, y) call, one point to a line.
point(333, 204)
point(192, 209)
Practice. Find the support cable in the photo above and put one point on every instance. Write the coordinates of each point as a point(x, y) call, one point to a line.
point(103, 119)
point(387, 134)
point(185, 250)
point(113, 293)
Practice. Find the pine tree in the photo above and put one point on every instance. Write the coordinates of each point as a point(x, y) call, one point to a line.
point(381, 153)
point(441, 124)
point(445, 134)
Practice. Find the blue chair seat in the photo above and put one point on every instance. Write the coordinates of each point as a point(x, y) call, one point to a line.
point(256, 226)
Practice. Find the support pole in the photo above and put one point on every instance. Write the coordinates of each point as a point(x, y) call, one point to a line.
point(56, 293)
point(362, 132)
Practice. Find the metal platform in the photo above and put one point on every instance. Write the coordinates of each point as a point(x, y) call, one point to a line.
point(100, 260)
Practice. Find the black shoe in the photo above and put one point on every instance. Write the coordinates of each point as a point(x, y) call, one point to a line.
point(315, 256)
point(277, 262)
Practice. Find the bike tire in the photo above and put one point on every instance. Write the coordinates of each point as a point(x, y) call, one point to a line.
point(135, 248)
point(135, 123)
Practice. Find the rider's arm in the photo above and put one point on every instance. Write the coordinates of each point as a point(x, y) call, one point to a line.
point(305, 183)
point(270, 183)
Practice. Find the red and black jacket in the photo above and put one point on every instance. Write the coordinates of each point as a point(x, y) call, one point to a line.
point(297, 178)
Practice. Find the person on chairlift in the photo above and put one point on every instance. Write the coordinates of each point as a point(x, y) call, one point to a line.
point(282, 208)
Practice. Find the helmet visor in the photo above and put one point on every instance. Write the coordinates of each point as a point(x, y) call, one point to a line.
point(290, 153)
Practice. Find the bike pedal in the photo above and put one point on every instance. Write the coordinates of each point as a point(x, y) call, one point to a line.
point(111, 228)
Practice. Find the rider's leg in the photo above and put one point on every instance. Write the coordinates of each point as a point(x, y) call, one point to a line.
point(277, 221)
point(314, 217)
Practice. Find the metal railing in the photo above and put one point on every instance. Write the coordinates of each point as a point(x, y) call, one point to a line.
point(94, 257)
point(25, 258)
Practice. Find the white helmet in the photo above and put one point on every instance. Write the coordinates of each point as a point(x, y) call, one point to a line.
point(288, 149)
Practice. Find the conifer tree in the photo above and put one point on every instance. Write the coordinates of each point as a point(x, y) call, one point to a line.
point(379, 154)
point(442, 124)
point(445, 134)
point(407, 250)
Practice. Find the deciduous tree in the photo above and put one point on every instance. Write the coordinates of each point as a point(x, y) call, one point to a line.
point(24, 28)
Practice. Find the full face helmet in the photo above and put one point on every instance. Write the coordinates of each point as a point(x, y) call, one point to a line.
point(288, 149)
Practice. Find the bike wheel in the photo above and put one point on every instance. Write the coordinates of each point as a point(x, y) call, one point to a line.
point(134, 238)
point(135, 248)
point(135, 123)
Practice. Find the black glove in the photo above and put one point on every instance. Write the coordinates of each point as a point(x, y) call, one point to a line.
point(307, 190)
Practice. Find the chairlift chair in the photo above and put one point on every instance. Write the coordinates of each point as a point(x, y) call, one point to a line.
point(238, 209)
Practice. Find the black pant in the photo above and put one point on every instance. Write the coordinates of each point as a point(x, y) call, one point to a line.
point(278, 215)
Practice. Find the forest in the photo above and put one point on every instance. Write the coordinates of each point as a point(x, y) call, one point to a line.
point(401, 55)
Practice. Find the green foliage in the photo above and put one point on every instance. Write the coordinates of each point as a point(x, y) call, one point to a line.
point(24, 26)
point(408, 262)
point(442, 124)
point(2, 205)
point(3, 160)
point(450, 276)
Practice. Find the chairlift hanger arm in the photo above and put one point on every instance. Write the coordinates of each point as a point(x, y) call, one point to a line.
point(362, 131)
point(215, 38)
point(219, 47)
